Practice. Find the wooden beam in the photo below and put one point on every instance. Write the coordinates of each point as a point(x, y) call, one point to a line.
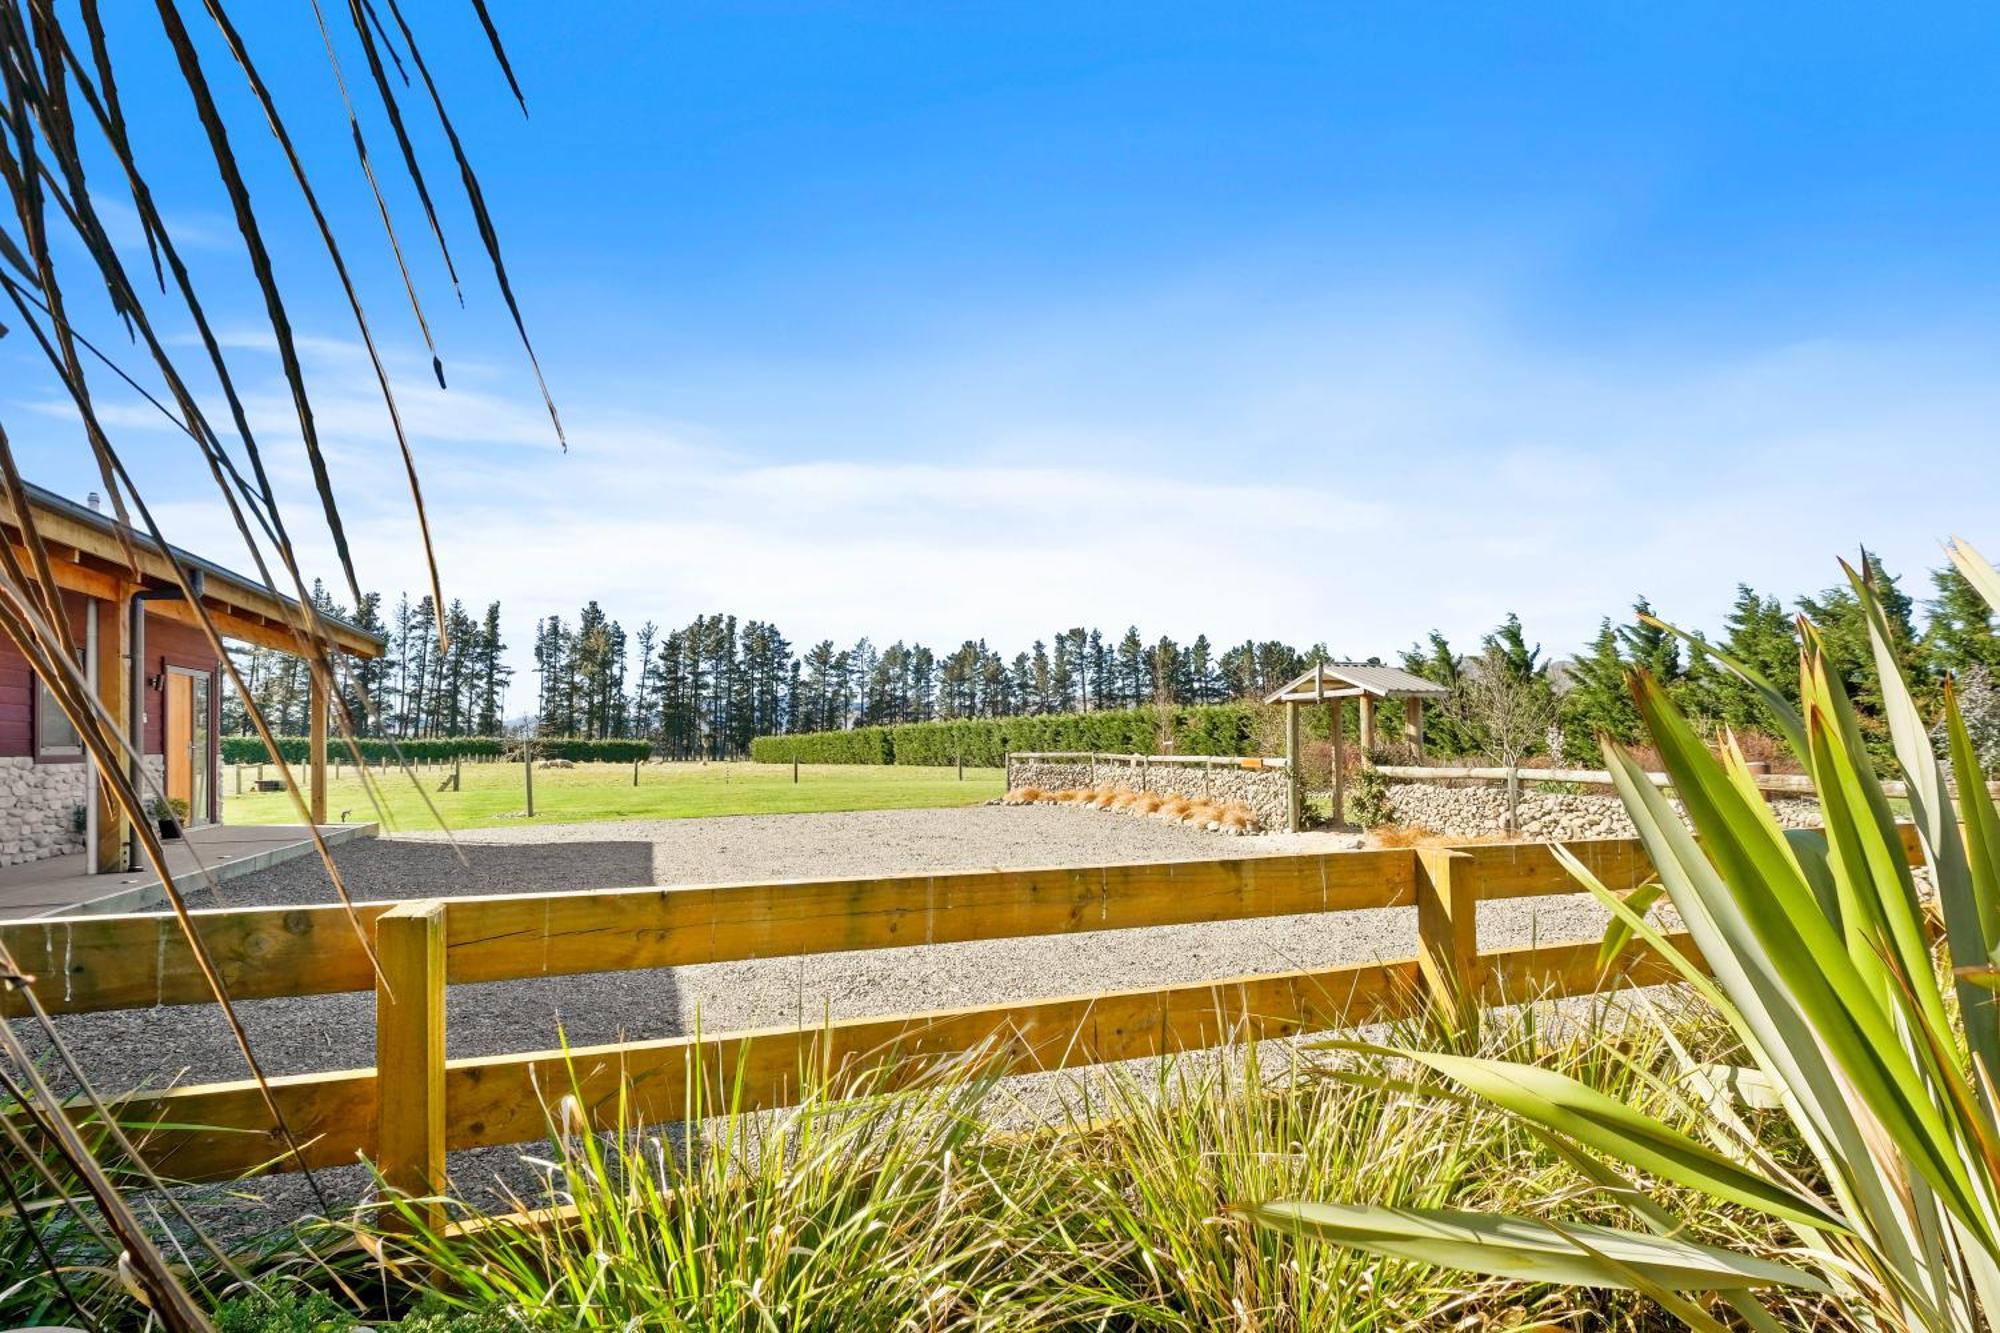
point(107, 851)
point(243, 601)
point(90, 963)
point(99, 962)
point(506, 1099)
point(495, 1100)
point(1550, 971)
point(499, 1099)
point(316, 705)
point(1413, 726)
point(1367, 706)
point(232, 622)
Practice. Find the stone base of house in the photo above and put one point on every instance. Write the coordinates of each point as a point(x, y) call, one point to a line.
point(42, 807)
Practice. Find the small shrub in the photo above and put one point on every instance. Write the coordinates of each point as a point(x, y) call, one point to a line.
point(1368, 804)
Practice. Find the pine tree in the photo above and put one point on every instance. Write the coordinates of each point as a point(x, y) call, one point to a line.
point(1838, 615)
point(1960, 634)
point(1651, 648)
point(494, 673)
point(1758, 634)
point(1597, 702)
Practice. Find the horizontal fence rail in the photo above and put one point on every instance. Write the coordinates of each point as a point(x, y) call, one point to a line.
point(1797, 784)
point(415, 1104)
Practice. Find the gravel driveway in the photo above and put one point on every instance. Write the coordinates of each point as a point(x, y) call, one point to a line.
point(156, 1046)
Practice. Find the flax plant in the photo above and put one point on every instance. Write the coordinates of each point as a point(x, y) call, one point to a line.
point(1877, 1055)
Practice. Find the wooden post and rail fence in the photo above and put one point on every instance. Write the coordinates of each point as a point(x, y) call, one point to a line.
point(416, 1104)
point(1780, 784)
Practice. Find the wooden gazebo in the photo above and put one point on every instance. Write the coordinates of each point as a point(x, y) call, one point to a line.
point(1332, 684)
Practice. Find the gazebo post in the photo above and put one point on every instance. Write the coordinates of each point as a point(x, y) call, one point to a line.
point(1294, 796)
point(1335, 726)
point(1413, 725)
point(1367, 702)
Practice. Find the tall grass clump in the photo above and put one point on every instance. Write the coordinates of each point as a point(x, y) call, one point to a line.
point(1875, 1051)
point(912, 1198)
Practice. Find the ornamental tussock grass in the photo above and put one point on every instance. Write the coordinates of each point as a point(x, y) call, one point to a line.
point(913, 1200)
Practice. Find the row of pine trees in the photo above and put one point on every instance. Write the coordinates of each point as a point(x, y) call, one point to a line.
point(711, 685)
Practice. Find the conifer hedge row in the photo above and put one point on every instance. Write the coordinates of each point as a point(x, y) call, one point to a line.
point(436, 749)
point(1218, 729)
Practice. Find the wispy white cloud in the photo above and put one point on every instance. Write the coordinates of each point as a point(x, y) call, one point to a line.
point(1356, 477)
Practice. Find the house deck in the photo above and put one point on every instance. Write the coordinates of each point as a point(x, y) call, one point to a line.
point(61, 885)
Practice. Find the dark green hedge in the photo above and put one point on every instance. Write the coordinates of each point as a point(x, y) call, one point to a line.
point(863, 745)
point(1221, 729)
point(437, 749)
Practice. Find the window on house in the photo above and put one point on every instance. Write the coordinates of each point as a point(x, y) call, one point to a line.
point(55, 736)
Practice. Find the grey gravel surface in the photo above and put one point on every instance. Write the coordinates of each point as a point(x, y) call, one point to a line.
point(156, 1046)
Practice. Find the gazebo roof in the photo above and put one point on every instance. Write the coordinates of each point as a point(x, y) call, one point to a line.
point(1354, 680)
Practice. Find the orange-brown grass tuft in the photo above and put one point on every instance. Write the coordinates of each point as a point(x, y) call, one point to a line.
point(1022, 796)
point(1201, 814)
point(1236, 818)
point(1174, 807)
point(1145, 803)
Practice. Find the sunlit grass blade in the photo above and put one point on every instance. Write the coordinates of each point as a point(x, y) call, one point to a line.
point(1528, 1249)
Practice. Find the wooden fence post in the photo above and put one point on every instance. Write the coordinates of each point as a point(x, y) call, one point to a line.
point(528, 777)
point(1448, 941)
point(409, 1055)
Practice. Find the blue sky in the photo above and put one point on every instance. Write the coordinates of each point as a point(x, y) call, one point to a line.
point(1323, 322)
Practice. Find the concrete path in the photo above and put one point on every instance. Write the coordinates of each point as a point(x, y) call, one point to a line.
point(60, 885)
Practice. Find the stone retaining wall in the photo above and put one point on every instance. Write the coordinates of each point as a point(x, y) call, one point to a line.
point(1263, 790)
point(1467, 810)
point(38, 807)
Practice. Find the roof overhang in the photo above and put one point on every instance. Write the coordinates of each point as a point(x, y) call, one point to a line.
point(87, 557)
point(1330, 681)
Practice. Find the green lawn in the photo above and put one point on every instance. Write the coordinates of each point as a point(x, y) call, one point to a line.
point(492, 794)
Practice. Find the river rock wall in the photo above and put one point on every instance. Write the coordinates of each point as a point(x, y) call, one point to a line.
point(41, 805)
point(1265, 790)
point(1471, 810)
